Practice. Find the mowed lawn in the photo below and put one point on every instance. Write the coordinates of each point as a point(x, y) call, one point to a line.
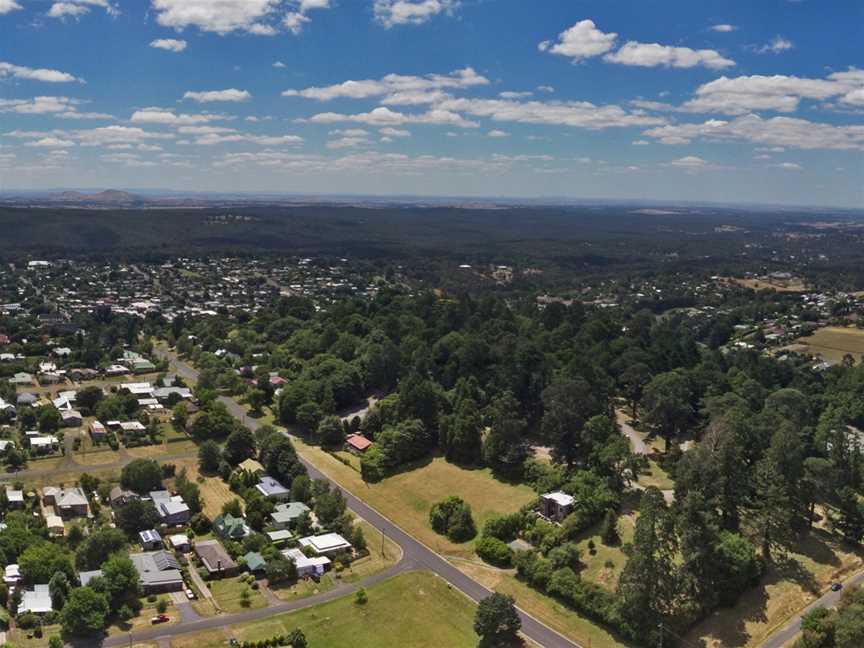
point(414, 610)
point(406, 498)
point(834, 342)
point(783, 591)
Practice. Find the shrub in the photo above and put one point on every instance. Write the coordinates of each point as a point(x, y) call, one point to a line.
point(151, 598)
point(452, 517)
point(161, 606)
point(494, 551)
point(361, 598)
point(504, 527)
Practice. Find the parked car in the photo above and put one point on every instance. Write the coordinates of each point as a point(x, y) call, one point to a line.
point(836, 587)
point(159, 618)
point(190, 594)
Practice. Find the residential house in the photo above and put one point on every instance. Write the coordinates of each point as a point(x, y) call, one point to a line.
point(357, 443)
point(27, 400)
point(120, 497)
point(272, 489)
point(43, 443)
point(215, 559)
point(50, 378)
point(71, 418)
point(307, 567)
point(132, 429)
point(142, 390)
point(150, 540)
point(116, 370)
point(229, 527)
point(164, 394)
point(7, 409)
point(15, 498)
point(54, 524)
point(68, 502)
point(172, 509)
point(280, 536)
point(21, 378)
point(36, 601)
point(158, 571)
point(180, 542)
point(12, 575)
point(251, 466)
point(286, 514)
point(255, 562)
point(556, 505)
point(98, 431)
point(326, 544)
point(86, 576)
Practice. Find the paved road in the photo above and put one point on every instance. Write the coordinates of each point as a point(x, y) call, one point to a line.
point(830, 599)
point(415, 555)
point(70, 465)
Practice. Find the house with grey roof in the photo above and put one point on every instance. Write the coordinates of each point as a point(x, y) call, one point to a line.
point(215, 559)
point(36, 601)
point(150, 539)
point(172, 510)
point(286, 514)
point(158, 571)
point(272, 489)
point(68, 502)
point(86, 576)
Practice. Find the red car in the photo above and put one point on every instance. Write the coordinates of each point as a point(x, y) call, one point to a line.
point(159, 618)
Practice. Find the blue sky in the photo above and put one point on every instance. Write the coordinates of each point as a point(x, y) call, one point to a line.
point(732, 101)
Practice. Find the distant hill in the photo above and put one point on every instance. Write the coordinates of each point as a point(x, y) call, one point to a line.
point(108, 197)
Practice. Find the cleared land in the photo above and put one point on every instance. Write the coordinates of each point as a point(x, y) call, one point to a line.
point(783, 591)
point(794, 284)
point(415, 610)
point(832, 343)
point(227, 592)
point(407, 497)
point(214, 491)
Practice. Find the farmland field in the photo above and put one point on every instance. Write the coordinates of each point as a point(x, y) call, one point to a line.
point(832, 343)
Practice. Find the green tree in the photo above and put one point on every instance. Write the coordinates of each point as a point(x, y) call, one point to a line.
point(85, 613)
point(666, 407)
point(496, 621)
point(567, 405)
point(136, 516)
point(122, 582)
point(101, 543)
point(452, 517)
point(505, 446)
point(647, 586)
point(59, 589)
point(331, 433)
point(40, 561)
point(141, 475)
point(239, 446)
point(460, 434)
point(209, 456)
point(609, 529)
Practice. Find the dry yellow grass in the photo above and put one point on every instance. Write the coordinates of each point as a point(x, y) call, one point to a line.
point(214, 491)
point(544, 608)
point(783, 591)
point(795, 284)
point(832, 343)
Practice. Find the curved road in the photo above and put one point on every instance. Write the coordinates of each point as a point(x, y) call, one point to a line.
point(415, 555)
point(828, 600)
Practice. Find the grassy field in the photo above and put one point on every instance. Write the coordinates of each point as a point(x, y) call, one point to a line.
point(148, 611)
point(784, 590)
point(414, 610)
point(227, 594)
point(20, 639)
point(407, 497)
point(834, 342)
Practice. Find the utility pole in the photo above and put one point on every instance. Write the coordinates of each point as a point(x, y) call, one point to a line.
point(382, 543)
point(660, 636)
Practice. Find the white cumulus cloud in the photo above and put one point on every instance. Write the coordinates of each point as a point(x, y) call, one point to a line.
point(7, 6)
point(654, 55)
point(229, 95)
point(169, 44)
point(411, 12)
point(35, 74)
point(582, 40)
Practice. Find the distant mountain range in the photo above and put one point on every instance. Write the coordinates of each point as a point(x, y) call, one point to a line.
point(108, 197)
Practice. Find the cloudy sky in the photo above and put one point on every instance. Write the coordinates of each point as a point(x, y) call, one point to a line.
point(720, 100)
